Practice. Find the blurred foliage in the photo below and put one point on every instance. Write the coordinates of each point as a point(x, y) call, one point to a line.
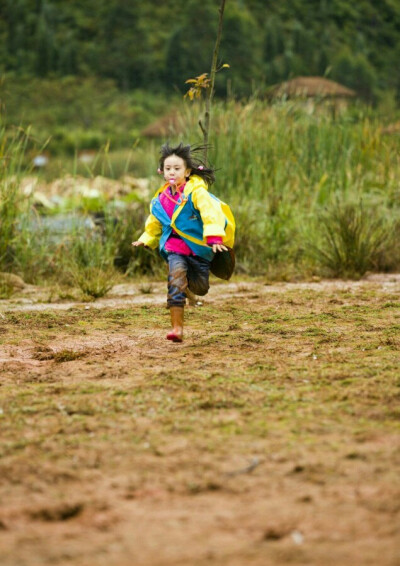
point(139, 46)
point(74, 113)
point(312, 192)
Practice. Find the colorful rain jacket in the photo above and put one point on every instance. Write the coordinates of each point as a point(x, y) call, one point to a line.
point(198, 214)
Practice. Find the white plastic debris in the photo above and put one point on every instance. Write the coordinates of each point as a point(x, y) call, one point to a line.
point(40, 160)
point(297, 537)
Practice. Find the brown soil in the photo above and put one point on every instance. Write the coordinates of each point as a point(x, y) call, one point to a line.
point(270, 437)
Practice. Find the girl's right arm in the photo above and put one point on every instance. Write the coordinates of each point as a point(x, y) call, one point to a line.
point(151, 234)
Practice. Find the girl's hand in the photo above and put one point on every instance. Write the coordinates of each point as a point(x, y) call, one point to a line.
point(219, 248)
point(137, 244)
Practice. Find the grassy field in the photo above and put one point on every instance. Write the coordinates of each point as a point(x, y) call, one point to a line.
point(269, 437)
point(314, 192)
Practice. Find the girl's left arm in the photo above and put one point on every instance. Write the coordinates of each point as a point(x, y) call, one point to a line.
point(210, 211)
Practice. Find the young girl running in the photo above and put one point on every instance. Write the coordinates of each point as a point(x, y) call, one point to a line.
point(189, 224)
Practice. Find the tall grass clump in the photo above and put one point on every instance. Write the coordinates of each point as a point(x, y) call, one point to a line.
point(283, 151)
point(12, 148)
point(23, 250)
point(20, 251)
point(350, 238)
point(89, 258)
point(85, 243)
point(138, 261)
point(95, 258)
point(279, 164)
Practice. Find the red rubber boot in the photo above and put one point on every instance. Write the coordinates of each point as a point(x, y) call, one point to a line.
point(176, 335)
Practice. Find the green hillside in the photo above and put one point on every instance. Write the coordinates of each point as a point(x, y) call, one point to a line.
point(155, 46)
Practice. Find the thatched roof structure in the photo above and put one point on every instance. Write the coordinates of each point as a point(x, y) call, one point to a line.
point(391, 129)
point(310, 87)
point(164, 126)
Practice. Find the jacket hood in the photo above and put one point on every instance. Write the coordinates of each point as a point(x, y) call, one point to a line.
point(195, 182)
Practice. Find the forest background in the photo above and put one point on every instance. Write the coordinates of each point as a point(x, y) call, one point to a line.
point(104, 59)
point(144, 45)
point(92, 76)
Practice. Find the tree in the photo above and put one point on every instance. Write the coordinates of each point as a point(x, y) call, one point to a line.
point(356, 72)
point(241, 45)
point(190, 43)
point(202, 82)
point(207, 114)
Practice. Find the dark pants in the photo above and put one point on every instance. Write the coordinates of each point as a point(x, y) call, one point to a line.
point(186, 271)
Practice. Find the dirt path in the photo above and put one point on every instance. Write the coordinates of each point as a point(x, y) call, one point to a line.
point(269, 437)
point(150, 293)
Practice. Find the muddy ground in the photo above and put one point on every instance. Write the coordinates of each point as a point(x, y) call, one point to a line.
point(271, 436)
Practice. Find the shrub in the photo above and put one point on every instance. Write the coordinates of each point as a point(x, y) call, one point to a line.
point(93, 281)
point(351, 239)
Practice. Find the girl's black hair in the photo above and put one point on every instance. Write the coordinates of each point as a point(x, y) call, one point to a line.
point(190, 155)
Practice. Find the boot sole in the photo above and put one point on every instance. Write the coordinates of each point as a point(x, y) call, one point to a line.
point(174, 337)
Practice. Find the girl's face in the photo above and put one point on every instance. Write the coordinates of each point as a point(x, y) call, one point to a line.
point(175, 170)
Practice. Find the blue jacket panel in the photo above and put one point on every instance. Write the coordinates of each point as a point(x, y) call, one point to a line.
point(188, 221)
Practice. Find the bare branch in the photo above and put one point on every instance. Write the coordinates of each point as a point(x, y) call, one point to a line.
point(207, 114)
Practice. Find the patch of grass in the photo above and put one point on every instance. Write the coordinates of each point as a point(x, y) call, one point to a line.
point(67, 355)
point(146, 288)
point(94, 282)
point(62, 512)
point(6, 289)
point(351, 238)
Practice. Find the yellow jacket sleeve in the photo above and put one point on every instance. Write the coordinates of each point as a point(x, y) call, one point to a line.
point(210, 211)
point(152, 232)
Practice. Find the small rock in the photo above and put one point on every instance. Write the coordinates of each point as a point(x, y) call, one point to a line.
point(277, 531)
